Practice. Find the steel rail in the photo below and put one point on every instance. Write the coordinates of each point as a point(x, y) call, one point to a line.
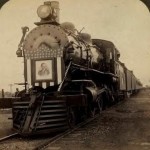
point(8, 137)
point(61, 135)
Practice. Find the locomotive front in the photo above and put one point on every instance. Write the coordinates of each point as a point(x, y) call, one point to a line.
point(43, 48)
point(49, 50)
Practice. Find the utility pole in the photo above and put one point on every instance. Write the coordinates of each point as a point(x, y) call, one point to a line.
point(11, 88)
point(3, 93)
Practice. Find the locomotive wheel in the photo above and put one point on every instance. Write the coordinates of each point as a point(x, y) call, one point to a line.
point(100, 104)
point(97, 107)
point(93, 110)
point(71, 117)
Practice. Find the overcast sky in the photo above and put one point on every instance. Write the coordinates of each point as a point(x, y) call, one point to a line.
point(124, 22)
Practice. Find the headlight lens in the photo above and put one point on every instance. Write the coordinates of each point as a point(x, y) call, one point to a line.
point(44, 11)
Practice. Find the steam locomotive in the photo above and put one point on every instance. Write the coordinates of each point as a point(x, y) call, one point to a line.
point(68, 76)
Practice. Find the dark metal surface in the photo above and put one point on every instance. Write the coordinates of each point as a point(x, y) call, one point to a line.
point(43, 115)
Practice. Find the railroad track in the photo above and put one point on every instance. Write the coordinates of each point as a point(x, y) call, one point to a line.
point(8, 137)
point(59, 136)
point(10, 142)
point(42, 142)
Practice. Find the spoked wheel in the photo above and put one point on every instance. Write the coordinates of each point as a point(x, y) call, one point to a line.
point(71, 117)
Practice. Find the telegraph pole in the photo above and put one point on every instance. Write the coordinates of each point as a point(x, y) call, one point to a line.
point(11, 88)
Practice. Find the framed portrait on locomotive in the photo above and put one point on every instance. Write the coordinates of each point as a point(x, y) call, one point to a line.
point(44, 70)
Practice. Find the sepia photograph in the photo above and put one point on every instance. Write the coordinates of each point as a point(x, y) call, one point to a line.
point(43, 70)
point(74, 75)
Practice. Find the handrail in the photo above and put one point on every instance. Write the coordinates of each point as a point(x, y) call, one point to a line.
point(39, 111)
point(60, 86)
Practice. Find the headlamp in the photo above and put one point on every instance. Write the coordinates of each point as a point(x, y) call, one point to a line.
point(44, 11)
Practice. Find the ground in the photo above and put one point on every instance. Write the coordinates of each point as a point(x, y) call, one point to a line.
point(5, 123)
